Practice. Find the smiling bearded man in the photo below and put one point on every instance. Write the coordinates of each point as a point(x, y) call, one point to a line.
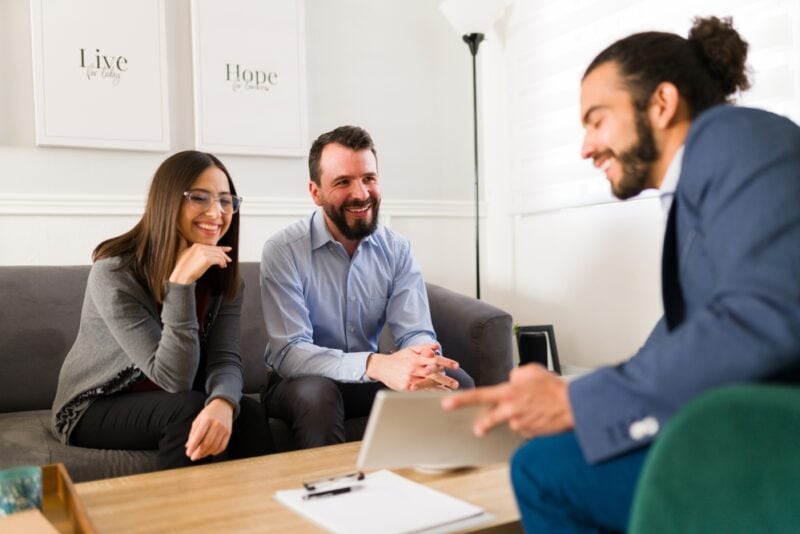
point(329, 283)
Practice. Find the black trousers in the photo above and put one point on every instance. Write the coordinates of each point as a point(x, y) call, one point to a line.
point(159, 420)
point(315, 408)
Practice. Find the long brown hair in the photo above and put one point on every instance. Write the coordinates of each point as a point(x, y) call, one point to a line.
point(150, 248)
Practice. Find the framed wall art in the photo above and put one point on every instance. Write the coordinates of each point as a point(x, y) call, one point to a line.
point(100, 74)
point(249, 76)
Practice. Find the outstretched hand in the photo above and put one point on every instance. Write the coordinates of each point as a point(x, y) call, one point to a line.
point(417, 367)
point(533, 402)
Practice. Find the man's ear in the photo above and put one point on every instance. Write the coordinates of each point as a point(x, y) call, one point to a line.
point(664, 106)
point(313, 190)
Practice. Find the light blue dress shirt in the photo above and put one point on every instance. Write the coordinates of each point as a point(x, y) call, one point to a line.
point(670, 182)
point(324, 310)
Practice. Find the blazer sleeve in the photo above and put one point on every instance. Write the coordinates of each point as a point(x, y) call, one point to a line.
point(740, 247)
point(168, 355)
point(224, 375)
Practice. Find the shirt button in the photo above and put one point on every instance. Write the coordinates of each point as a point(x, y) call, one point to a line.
point(352, 299)
point(352, 329)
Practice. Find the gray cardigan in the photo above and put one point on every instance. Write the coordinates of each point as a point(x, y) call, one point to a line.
point(123, 338)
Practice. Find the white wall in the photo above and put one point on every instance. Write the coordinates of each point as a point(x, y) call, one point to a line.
point(594, 273)
point(395, 68)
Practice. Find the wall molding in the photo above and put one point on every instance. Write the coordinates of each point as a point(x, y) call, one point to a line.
point(127, 205)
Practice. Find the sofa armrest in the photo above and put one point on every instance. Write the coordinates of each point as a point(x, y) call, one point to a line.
point(727, 462)
point(476, 334)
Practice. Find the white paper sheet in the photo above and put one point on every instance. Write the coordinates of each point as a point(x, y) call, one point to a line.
point(383, 502)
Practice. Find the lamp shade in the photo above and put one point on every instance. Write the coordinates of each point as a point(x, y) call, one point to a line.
point(473, 16)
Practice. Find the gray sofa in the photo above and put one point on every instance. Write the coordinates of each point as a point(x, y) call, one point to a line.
point(39, 316)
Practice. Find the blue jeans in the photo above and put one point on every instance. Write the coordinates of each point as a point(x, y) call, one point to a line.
point(557, 491)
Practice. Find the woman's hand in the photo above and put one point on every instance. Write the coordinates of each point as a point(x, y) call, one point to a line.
point(195, 260)
point(211, 430)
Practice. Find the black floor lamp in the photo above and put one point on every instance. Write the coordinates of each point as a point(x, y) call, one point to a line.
point(472, 19)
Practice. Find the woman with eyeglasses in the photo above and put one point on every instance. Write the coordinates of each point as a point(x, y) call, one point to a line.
point(156, 363)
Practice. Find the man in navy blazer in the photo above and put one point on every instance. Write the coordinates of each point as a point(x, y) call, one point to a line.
point(654, 110)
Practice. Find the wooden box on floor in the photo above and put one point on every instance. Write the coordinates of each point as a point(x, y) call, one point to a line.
point(60, 503)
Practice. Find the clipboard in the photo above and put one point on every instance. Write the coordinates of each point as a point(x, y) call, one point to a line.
point(385, 502)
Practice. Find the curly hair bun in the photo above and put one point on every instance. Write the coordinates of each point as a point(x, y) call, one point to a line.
point(723, 50)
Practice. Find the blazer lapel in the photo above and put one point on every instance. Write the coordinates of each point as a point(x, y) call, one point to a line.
point(674, 306)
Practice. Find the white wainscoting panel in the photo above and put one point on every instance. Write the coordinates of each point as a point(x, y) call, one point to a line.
point(62, 229)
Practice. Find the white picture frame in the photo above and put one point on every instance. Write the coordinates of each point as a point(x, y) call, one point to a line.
point(249, 77)
point(100, 74)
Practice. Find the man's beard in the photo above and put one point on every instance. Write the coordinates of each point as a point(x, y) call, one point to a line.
point(360, 228)
point(637, 161)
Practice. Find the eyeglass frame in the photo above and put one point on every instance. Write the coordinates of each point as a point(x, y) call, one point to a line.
point(237, 200)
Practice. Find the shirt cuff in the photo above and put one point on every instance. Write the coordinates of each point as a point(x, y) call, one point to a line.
point(354, 367)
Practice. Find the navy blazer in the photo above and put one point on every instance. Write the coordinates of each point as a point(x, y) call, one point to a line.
point(731, 283)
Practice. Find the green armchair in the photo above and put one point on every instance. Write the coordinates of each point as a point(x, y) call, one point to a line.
point(728, 462)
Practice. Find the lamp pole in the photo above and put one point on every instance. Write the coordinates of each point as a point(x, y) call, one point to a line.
point(473, 40)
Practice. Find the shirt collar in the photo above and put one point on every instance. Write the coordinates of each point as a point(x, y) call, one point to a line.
point(320, 235)
point(670, 182)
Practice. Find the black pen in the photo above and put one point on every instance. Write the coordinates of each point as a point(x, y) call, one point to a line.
point(335, 491)
point(312, 485)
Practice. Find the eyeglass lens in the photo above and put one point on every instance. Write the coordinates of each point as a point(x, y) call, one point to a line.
point(202, 200)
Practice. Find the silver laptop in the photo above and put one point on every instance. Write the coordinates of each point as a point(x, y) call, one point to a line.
point(412, 430)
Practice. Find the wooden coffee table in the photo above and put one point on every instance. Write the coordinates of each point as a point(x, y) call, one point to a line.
point(237, 496)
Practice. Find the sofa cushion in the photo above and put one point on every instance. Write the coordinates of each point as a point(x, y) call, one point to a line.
point(25, 439)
